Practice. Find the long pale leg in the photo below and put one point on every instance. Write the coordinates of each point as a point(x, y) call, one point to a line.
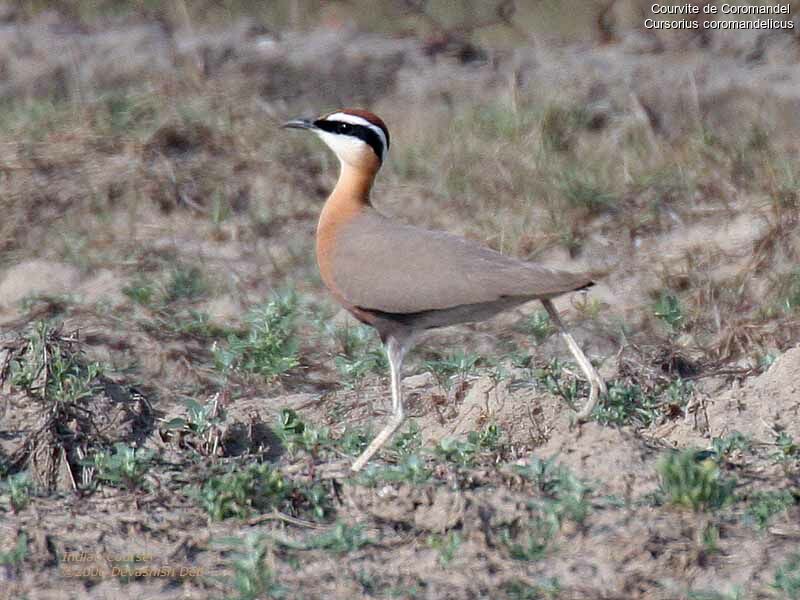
point(396, 351)
point(596, 383)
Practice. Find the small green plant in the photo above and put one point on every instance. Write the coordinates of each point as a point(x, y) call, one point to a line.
point(141, 291)
point(564, 495)
point(709, 538)
point(296, 435)
point(340, 539)
point(408, 441)
point(788, 449)
point(14, 558)
point(463, 453)
point(125, 466)
point(220, 208)
point(359, 355)
point(724, 447)
point(445, 369)
point(669, 309)
point(269, 348)
point(259, 488)
point(354, 441)
point(459, 452)
point(488, 438)
point(199, 417)
point(240, 493)
point(787, 578)
point(447, 546)
point(694, 484)
point(202, 422)
point(586, 189)
point(553, 380)
point(411, 469)
point(50, 369)
point(185, 284)
point(530, 541)
point(18, 488)
point(560, 125)
point(628, 404)
point(253, 579)
point(762, 506)
point(539, 326)
point(521, 590)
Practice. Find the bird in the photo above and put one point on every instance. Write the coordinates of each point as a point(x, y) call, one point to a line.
point(403, 280)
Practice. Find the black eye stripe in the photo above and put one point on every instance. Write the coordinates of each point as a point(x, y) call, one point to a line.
point(361, 132)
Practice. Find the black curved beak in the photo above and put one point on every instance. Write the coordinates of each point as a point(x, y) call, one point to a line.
point(299, 124)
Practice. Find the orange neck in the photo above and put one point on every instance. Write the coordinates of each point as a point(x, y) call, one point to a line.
point(348, 199)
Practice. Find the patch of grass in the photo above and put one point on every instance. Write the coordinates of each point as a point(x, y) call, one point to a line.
point(253, 579)
point(724, 447)
point(586, 189)
point(141, 291)
point(539, 326)
point(360, 355)
point(789, 292)
point(530, 541)
point(340, 539)
point(464, 453)
point(787, 578)
point(240, 493)
point(763, 505)
point(13, 559)
point(458, 364)
point(628, 404)
point(409, 440)
point(354, 441)
point(269, 348)
point(788, 449)
point(517, 589)
point(560, 125)
point(47, 369)
point(186, 323)
point(446, 545)
point(296, 435)
point(692, 483)
point(552, 378)
point(202, 423)
point(17, 488)
point(496, 121)
point(125, 466)
point(670, 311)
point(633, 404)
point(412, 469)
point(565, 496)
point(185, 283)
point(786, 185)
point(258, 488)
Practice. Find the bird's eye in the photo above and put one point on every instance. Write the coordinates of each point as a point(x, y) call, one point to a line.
point(343, 128)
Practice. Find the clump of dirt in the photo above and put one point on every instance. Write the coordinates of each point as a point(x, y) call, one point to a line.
point(761, 408)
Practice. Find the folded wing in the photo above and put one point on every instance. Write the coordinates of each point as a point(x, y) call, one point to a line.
point(386, 266)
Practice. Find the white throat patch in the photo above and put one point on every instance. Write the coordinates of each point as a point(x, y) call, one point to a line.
point(356, 120)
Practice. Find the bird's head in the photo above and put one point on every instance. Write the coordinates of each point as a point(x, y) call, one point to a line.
point(359, 138)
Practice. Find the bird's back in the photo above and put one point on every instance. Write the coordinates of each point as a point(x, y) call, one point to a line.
point(381, 265)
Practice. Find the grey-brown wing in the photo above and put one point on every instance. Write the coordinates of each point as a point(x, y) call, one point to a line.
point(382, 265)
